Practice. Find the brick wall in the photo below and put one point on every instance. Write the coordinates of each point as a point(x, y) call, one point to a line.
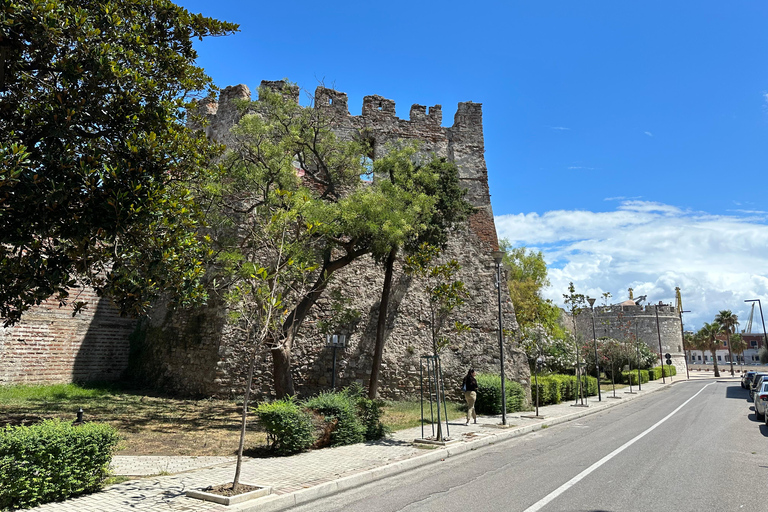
point(50, 345)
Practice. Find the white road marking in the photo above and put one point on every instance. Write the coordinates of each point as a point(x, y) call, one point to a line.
point(573, 481)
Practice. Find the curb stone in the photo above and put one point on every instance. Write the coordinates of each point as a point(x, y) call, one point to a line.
point(283, 502)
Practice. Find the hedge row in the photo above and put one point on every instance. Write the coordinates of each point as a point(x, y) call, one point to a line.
point(553, 389)
point(489, 395)
point(333, 418)
point(630, 377)
point(52, 461)
point(655, 372)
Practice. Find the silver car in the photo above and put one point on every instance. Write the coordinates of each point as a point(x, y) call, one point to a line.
point(761, 401)
point(756, 382)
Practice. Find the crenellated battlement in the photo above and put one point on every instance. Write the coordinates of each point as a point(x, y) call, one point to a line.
point(462, 143)
point(376, 109)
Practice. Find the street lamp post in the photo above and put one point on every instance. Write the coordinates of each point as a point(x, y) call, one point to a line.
point(335, 341)
point(682, 333)
point(498, 256)
point(594, 338)
point(661, 351)
point(765, 336)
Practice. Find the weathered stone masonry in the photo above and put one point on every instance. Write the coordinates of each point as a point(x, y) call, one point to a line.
point(198, 354)
point(619, 321)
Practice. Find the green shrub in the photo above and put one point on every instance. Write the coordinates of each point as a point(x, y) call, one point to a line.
point(631, 377)
point(548, 391)
point(52, 461)
point(340, 412)
point(288, 427)
point(655, 372)
point(370, 412)
point(489, 395)
point(557, 388)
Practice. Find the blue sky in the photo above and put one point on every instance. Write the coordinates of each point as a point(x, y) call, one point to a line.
point(626, 140)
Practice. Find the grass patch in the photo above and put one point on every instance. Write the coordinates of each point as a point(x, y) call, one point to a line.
point(607, 387)
point(53, 392)
point(407, 414)
point(152, 424)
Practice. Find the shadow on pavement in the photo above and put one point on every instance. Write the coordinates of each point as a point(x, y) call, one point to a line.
point(736, 392)
point(764, 430)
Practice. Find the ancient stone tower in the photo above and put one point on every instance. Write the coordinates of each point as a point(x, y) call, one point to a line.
point(656, 325)
point(198, 354)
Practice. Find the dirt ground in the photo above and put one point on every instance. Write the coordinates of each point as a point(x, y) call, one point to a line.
point(151, 425)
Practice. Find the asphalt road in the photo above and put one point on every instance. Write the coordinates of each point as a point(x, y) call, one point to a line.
point(694, 446)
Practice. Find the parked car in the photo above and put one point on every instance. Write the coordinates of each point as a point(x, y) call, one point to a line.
point(746, 379)
point(756, 380)
point(761, 400)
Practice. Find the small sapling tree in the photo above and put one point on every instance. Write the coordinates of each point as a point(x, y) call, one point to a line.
point(445, 293)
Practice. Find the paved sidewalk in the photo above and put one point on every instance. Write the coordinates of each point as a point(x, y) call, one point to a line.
point(307, 476)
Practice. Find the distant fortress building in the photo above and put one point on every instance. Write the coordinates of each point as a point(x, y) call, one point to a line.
point(656, 325)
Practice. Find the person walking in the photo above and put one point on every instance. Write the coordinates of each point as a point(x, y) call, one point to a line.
point(469, 386)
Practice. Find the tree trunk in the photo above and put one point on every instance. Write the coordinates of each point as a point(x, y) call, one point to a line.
point(381, 325)
point(730, 353)
point(714, 363)
point(281, 357)
point(281, 371)
point(243, 424)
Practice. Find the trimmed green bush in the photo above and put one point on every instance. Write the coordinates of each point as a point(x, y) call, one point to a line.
point(631, 377)
point(52, 461)
point(558, 388)
point(548, 390)
point(489, 395)
point(288, 427)
point(340, 413)
point(670, 370)
point(655, 372)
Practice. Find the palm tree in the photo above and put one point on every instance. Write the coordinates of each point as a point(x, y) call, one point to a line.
point(689, 344)
point(709, 335)
point(738, 345)
point(729, 321)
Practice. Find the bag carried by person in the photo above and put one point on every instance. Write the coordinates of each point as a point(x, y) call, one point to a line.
point(464, 385)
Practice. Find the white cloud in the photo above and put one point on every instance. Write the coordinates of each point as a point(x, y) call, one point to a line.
point(648, 134)
point(716, 260)
point(562, 128)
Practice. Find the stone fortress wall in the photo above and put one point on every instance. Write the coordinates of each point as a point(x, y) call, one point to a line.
point(622, 321)
point(198, 353)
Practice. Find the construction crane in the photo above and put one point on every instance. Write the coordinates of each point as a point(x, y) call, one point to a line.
point(748, 328)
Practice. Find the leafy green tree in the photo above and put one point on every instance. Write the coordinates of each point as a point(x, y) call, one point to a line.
point(285, 160)
point(433, 188)
point(708, 335)
point(729, 321)
point(526, 278)
point(97, 185)
point(264, 275)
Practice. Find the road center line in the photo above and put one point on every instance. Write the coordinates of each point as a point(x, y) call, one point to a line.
point(573, 481)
